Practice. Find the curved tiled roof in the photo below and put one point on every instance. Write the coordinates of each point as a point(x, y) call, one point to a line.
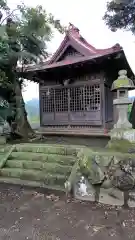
point(87, 52)
point(74, 38)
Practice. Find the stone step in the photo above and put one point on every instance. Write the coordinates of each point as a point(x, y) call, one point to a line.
point(2, 154)
point(38, 165)
point(43, 157)
point(35, 184)
point(48, 149)
point(4, 148)
point(36, 175)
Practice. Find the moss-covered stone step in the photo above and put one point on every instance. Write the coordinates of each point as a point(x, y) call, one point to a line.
point(2, 154)
point(30, 183)
point(46, 178)
point(4, 148)
point(37, 165)
point(56, 158)
point(49, 149)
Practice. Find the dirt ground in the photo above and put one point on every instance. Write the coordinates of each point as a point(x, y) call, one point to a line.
point(28, 214)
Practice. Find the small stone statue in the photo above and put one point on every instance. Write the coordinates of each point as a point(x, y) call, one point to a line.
point(83, 187)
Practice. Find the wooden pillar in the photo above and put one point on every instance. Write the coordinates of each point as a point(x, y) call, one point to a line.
point(102, 99)
point(69, 104)
point(40, 105)
point(54, 104)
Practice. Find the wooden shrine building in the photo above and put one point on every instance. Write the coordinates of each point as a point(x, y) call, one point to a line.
point(75, 86)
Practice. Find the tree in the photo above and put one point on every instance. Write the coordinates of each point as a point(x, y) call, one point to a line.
point(120, 14)
point(24, 33)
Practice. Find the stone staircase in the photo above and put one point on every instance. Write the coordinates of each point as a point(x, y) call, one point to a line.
point(39, 165)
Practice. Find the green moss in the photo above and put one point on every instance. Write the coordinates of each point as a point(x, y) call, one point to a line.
point(6, 156)
point(89, 166)
point(73, 176)
point(36, 165)
point(43, 157)
point(4, 148)
point(121, 145)
point(94, 165)
point(48, 149)
point(47, 178)
point(51, 165)
point(121, 83)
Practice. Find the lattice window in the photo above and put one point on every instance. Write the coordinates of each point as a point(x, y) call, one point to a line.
point(85, 98)
point(48, 101)
point(61, 100)
point(82, 98)
point(92, 97)
point(76, 99)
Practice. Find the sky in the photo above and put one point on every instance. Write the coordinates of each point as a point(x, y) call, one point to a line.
point(87, 16)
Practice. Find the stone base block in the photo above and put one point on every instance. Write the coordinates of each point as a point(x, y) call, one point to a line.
point(112, 197)
point(127, 134)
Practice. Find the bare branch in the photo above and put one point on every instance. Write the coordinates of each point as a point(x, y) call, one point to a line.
point(8, 16)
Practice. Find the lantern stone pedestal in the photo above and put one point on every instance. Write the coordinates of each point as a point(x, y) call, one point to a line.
point(122, 128)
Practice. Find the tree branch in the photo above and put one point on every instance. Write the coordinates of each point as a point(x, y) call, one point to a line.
point(8, 16)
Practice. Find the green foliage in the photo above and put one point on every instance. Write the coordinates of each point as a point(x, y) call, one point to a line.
point(24, 33)
point(120, 15)
point(3, 5)
point(129, 110)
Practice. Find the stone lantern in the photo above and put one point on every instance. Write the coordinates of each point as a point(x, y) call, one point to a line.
point(121, 86)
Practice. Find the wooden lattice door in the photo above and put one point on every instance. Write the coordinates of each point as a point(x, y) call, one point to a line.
point(74, 104)
point(85, 103)
point(61, 105)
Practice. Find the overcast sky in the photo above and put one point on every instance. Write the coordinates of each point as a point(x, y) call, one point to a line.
point(87, 16)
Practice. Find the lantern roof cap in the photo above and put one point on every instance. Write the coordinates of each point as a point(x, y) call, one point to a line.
point(123, 82)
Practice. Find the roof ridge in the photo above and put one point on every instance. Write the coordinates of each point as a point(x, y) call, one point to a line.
point(74, 32)
point(74, 37)
point(83, 41)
